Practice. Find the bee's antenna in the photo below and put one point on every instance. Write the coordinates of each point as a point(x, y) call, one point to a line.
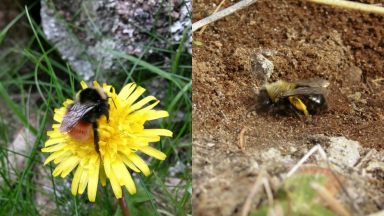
point(113, 102)
point(112, 90)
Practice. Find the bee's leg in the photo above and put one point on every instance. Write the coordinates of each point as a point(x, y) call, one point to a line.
point(113, 103)
point(107, 115)
point(105, 111)
point(294, 110)
point(298, 104)
point(95, 137)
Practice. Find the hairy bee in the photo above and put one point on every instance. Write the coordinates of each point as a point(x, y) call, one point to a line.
point(306, 97)
point(81, 116)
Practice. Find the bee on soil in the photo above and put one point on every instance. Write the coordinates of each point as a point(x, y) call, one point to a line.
point(306, 97)
point(81, 116)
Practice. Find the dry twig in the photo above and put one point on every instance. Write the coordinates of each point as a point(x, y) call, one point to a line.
point(223, 13)
point(217, 9)
point(352, 5)
point(380, 213)
point(305, 158)
point(268, 191)
point(333, 203)
point(256, 188)
point(241, 139)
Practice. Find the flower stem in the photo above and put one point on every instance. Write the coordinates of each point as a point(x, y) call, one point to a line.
point(123, 205)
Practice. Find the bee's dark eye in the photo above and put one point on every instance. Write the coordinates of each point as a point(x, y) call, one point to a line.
point(267, 102)
point(111, 90)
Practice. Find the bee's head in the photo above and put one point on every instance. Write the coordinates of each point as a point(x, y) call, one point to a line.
point(263, 100)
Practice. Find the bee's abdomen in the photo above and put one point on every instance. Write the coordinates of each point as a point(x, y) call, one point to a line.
point(81, 131)
point(315, 103)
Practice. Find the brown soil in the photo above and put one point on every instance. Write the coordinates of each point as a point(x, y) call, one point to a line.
point(304, 40)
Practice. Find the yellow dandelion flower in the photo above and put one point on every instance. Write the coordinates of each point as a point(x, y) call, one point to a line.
point(120, 139)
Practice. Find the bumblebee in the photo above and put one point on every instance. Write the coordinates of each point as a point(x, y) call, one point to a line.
point(81, 116)
point(306, 97)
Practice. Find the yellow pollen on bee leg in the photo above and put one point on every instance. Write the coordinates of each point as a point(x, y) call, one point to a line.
point(298, 104)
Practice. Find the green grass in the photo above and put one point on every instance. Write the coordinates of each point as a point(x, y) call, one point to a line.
point(34, 81)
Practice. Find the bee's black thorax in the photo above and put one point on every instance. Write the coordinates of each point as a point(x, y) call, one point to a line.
point(91, 95)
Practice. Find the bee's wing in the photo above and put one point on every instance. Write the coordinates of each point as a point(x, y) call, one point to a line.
point(74, 114)
point(305, 91)
point(315, 83)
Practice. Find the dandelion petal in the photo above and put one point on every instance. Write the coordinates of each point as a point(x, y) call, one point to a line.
point(115, 185)
point(103, 177)
point(76, 180)
point(69, 165)
point(141, 103)
point(83, 84)
point(93, 180)
point(139, 163)
point(159, 132)
point(126, 91)
point(83, 181)
point(130, 184)
point(148, 150)
point(156, 114)
point(135, 95)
